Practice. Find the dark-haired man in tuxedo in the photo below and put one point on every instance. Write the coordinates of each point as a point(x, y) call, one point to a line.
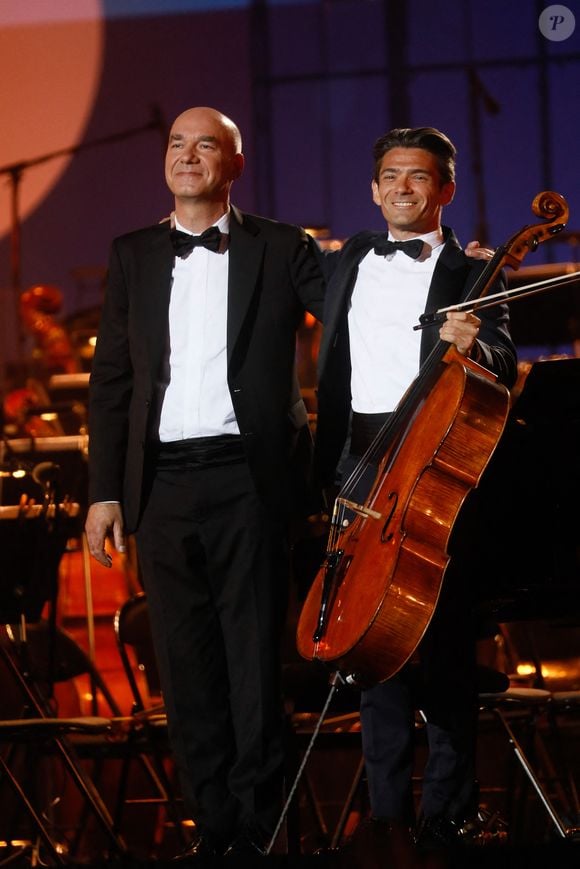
point(378, 285)
point(195, 413)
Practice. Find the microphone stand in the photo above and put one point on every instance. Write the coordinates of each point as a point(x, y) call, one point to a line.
point(15, 172)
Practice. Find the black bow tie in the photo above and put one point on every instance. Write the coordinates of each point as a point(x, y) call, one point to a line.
point(384, 246)
point(183, 243)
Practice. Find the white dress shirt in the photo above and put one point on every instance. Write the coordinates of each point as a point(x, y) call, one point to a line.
point(197, 401)
point(387, 300)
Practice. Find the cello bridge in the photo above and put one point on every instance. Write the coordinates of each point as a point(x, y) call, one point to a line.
point(360, 509)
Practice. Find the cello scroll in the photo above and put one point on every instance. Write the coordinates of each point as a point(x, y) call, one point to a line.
point(554, 209)
point(549, 205)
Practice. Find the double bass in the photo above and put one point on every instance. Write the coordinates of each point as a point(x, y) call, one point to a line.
point(377, 589)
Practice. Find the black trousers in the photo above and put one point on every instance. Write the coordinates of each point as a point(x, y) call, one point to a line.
point(215, 570)
point(442, 682)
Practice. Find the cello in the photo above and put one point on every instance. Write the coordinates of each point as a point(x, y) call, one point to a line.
point(377, 589)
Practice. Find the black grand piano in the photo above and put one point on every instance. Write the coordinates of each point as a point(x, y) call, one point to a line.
point(526, 543)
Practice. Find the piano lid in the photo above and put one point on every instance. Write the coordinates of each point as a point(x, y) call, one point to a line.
point(550, 319)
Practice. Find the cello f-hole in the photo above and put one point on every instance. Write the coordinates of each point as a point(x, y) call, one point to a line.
point(385, 538)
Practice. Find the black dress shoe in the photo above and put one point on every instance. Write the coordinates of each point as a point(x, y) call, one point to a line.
point(201, 848)
point(437, 833)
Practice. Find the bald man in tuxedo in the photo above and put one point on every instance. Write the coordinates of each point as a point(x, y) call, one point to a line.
point(195, 417)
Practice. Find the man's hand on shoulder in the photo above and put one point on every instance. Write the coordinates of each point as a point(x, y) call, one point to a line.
point(474, 250)
point(104, 519)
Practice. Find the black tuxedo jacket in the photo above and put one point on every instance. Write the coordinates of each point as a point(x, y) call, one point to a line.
point(454, 275)
point(274, 275)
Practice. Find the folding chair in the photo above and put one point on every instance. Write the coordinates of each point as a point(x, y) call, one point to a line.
point(36, 729)
point(541, 713)
point(133, 634)
point(135, 645)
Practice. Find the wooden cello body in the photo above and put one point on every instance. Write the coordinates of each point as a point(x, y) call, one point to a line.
point(380, 613)
point(375, 594)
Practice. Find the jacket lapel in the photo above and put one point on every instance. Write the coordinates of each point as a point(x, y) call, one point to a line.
point(246, 252)
point(447, 284)
point(449, 275)
point(156, 282)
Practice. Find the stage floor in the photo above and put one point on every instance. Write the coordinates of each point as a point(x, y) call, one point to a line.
point(564, 855)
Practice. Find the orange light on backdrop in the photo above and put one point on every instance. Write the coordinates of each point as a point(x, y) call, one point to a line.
point(51, 54)
point(51, 57)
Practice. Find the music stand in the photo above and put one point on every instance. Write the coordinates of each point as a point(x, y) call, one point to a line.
point(32, 541)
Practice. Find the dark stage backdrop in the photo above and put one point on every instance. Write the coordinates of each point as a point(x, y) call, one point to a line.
point(311, 83)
